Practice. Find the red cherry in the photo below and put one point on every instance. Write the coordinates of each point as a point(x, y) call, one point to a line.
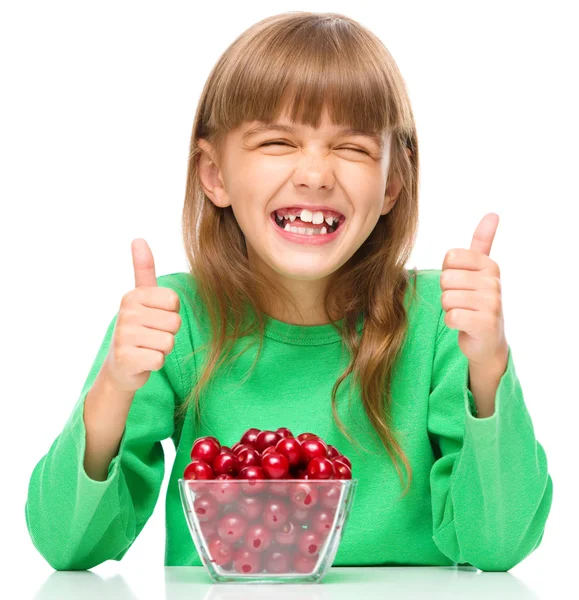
point(287, 535)
point(224, 463)
point(330, 495)
point(275, 513)
point(205, 449)
point(205, 507)
point(267, 451)
point(341, 469)
point(344, 459)
point(312, 449)
point(309, 542)
point(256, 483)
point(236, 446)
point(198, 469)
point(247, 457)
point(321, 520)
point(332, 451)
point(284, 432)
point(301, 515)
point(225, 492)
point(291, 449)
point(275, 465)
point(250, 507)
point(320, 468)
point(231, 526)
point(246, 561)
point(304, 495)
point(278, 488)
point(225, 448)
point(302, 437)
point(277, 560)
point(302, 474)
point(250, 436)
point(266, 438)
point(258, 537)
point(304, 564)
point(208, 528)
point(220, 551)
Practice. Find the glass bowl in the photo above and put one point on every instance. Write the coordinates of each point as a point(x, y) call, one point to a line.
point(267, 530)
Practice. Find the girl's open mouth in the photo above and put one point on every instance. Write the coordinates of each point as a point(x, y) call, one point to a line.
point(309, 233)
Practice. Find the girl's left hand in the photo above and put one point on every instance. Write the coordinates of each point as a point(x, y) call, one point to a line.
point(471, 296)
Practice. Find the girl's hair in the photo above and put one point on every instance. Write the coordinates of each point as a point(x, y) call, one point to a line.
point(308, 62)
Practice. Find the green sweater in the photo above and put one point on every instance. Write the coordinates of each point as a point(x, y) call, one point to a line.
point(480, 494)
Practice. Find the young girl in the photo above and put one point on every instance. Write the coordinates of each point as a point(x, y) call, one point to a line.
point(292, 318)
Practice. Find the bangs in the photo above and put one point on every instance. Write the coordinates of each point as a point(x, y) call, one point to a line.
point(300, 70)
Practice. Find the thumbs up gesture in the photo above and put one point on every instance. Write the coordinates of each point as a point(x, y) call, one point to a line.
point(147, 323)
point(471, 297)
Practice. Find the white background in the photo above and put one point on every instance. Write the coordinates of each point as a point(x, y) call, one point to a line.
point(96, 113)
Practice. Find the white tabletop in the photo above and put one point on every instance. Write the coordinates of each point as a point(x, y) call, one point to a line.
point(347, 583)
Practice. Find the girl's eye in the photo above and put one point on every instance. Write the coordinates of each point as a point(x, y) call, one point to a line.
point(284, 144)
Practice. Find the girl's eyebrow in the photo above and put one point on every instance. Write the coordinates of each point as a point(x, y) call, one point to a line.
point(291, 130)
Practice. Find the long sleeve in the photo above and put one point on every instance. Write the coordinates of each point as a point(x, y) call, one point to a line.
point(491, 490)
point(76, 522)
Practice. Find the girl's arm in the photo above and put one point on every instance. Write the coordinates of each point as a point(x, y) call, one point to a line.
point(77, 521)
point(491, 490)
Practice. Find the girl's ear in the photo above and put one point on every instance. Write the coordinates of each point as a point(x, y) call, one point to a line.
point(210, 176)
point(392, 190)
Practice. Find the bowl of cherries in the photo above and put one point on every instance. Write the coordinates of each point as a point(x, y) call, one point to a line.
point(270, 509)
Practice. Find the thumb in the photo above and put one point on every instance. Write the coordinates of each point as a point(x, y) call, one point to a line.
point(143, 263)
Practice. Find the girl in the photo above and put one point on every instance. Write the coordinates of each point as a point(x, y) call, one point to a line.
point(300, 213)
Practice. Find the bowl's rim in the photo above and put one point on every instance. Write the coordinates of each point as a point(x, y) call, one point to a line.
point(353, 480)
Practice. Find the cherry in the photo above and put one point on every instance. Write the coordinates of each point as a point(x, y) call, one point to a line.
point(342, 470)
point(275, 465)
point(307, 436)
point(266, 438)
point(322, 520)
point(267, 451)
point(302, 474)
point(206, 508)
point(258, 537)
point(247, 457)
point(284, 432)
point(237, 445)
point(208, 528)
point(291, 449)
point(198, 469)
point(275, 513)
point(256, 483)
point(246, 561)
point(304, 495)
point(320, 468)
point(251, 507)
point(332, 451)
point(301, 515)
point(344, 459)
point(312, 449)
point(220, 551)
point(309, 542)
point(287, 535)
point(250, 436)
point(330, 495)
point(225, 492)
point(277, 560)
point(231, 526)
point(278, 488)
point(205, 449)
point(224, 463)
point(304, 564)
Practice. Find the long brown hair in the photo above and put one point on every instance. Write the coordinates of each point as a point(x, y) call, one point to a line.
point(308, 61)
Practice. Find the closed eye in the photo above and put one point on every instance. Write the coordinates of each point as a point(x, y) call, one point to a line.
point(284, 144)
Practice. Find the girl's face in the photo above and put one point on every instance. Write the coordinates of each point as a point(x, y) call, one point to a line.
point(317, 167)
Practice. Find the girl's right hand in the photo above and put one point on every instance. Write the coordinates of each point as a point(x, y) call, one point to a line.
point(146, 325)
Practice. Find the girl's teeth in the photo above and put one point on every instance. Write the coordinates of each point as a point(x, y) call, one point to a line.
point(308, 230)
